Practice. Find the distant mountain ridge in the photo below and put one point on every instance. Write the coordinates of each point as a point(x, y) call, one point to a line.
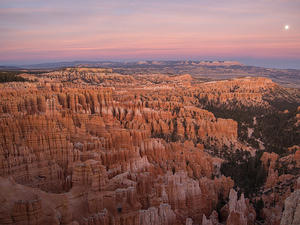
point(54, 65)
point(9, 68)
point(207, 70)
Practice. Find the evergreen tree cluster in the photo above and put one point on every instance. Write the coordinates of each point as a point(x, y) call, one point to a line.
point(11, 76)
point(247, 172)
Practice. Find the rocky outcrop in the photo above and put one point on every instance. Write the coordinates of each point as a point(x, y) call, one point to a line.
point(163, 215)
point(291, 213)
point(239, 210)
point(269, 160)
point(90, 146)
point(90, 173)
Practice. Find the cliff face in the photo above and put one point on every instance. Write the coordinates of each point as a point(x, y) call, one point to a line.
point(291, 213)
point(85, 146)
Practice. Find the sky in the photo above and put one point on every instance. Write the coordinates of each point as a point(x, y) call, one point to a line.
point(252, 32)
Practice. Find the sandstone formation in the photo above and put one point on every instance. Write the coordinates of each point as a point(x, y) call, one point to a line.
point(291, 213)
point(91, 146)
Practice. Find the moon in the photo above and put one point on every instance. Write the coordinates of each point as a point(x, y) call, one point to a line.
point(286, 27)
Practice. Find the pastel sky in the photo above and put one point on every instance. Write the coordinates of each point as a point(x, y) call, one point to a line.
point(34, 31)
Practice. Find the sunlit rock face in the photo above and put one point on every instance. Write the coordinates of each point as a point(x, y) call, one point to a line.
point(90, 146)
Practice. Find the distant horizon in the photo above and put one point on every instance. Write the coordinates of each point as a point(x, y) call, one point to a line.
point(269, 63)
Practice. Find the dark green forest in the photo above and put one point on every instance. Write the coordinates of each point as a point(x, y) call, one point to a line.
point(247, 172)
point(274, 128)
point(11, 76)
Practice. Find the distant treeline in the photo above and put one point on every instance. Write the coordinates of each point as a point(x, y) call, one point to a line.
point(11, 76)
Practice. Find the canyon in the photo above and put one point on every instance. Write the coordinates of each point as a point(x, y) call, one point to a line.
point(92, 146)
